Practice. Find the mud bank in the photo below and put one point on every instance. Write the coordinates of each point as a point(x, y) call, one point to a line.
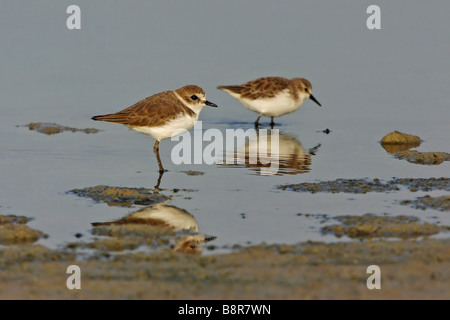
point(14, 231)
point(54, 128)
point(427, 202)
point(367, 185)
point(121, 196)
point(410, 269)
point(370, 226)
point(425, 158)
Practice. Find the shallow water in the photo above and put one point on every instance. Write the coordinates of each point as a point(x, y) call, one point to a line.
point(369, 82)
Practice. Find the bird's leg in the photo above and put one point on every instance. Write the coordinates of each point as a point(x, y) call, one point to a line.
point(271, 123)
point(156, 151)
point(257, 121)
point(156, 147)
point(156, 187)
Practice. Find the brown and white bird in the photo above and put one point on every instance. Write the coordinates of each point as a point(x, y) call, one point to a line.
point(162, 115)
point(272, 96)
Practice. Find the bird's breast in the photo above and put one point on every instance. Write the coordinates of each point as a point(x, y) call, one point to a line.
point(280, 104)
point(172, 127)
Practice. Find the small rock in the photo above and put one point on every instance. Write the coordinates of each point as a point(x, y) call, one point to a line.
point(398, 141)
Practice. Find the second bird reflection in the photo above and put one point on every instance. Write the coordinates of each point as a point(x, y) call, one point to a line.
point(169, 217)
point(258, 154)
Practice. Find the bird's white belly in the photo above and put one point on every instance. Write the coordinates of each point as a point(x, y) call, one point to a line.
point(174, 217)
point(171, 128)
point(273, 107)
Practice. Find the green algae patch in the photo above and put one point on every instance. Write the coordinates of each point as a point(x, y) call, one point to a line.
point(14, 231)
point(367, 185)
point(425, 158)
point(54, 128)
point(441, 203)
point(121, 196)
point(371, 226)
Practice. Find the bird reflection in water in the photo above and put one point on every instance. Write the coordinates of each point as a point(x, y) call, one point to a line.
point(259, 154)
point(158, 183)
point(170, 217)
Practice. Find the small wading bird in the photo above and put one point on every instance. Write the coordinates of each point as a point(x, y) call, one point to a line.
point(272, 96)
point(162, 115)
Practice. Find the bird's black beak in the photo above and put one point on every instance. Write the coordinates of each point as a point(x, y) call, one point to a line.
point(314, 99)
point(209, 103)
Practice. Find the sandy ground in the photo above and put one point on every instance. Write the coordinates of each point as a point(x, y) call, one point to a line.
point(409, 269)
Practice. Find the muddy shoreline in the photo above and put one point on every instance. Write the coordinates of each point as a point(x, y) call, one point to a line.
point(157, 252)
point(410, 269)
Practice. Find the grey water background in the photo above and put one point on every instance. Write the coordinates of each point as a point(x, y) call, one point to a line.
point(369, 82)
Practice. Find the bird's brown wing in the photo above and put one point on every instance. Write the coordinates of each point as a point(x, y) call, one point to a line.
point(260, 88)
point(152, 111)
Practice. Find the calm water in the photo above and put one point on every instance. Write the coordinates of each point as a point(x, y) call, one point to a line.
point(369, 82)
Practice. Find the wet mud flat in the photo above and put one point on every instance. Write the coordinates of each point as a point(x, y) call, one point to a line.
point(55, 128)
point(370, 185)
point(145, 255)
point(409, 270)
point(370, 226)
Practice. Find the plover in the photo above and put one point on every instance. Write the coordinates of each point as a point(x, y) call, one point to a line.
point(272, 96)
point(162, 115)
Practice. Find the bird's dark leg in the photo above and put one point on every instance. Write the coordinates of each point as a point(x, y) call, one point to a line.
point(156, 187)
point(271, 123)
point(156, 151)
point(257, 121)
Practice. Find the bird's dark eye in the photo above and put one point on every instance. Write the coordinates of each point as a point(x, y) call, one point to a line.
point(194, 97)
point(306, 89)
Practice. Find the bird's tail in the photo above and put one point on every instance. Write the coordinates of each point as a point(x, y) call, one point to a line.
point(118, 117)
